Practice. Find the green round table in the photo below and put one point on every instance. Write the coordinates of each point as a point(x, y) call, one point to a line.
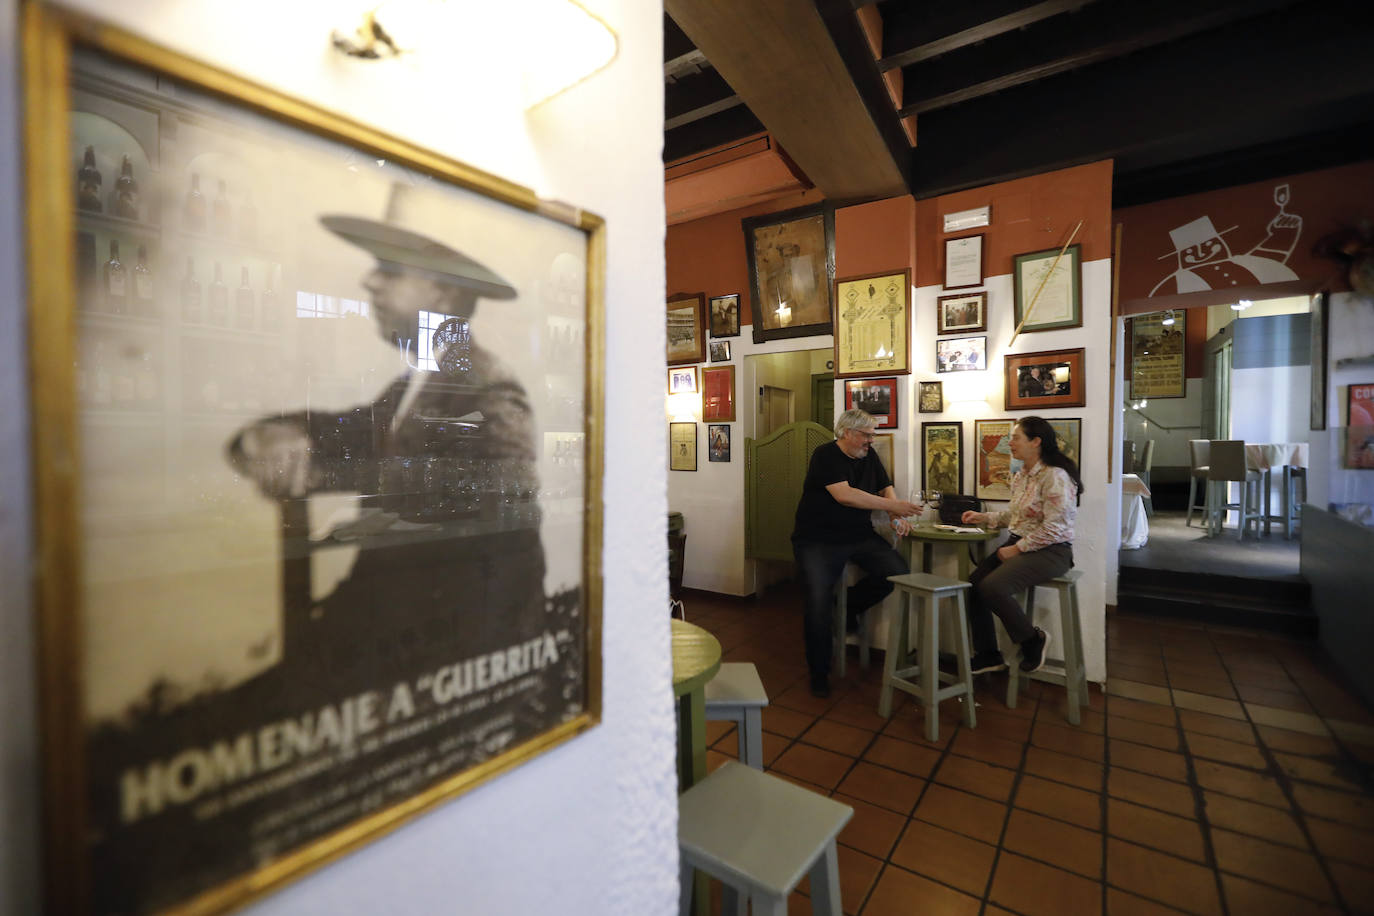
point(696, 659)
point(929, 536)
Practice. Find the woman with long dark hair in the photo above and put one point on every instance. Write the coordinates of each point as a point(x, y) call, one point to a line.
point(1044, 503)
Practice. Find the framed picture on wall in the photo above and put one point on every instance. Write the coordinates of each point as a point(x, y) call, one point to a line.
point(964, 261)
point(1068, 436)
point(882, 444)
point(961, 314)
point(961, 354)
point(725, 316)
point(942, 456)
point(720, 351)
point(234, 693)
point(718, 442)
point(931, 397)
point(683, 380)
point(872, 321)
point(1050, 286)
point(1359, 421)
point(992, 452)
point(877, 396)
point(718, 394)
point(1038, 381)
point(1157, 355)
point(682, 446)
point(791, 257)
point(686, 329)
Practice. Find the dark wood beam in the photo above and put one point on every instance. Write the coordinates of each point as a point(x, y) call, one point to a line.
point(1263, 79)
point(780, 58)
point(692, 92)
point(1092, 35)
point(723, 127)
point(918, 32)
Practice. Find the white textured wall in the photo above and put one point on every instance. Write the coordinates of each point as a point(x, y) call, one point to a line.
point(590, 827)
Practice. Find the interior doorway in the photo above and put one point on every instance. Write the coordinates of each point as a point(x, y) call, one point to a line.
point(776, 409)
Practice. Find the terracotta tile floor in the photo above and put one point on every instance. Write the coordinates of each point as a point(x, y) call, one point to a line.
point(1224, 772)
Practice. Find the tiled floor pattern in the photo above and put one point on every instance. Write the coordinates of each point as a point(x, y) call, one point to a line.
point(1222, 772)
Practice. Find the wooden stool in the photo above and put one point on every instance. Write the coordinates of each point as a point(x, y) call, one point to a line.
point(928, 590)
point(842, 621)
point(759, 835)
point(1069, 670)
point(736, 695)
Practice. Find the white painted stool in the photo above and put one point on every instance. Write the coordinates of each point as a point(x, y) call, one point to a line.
point(736, 695)
point(1070, 670)
point(759, 835)
point(841, 621)
point(927, 590)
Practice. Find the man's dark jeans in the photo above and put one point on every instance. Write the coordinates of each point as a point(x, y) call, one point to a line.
point(820, 567)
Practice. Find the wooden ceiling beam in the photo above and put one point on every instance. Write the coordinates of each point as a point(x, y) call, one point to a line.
point(781, 58)
point(940, 28)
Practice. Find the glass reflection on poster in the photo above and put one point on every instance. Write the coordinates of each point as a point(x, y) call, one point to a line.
point(337, 520)
point(791, 258)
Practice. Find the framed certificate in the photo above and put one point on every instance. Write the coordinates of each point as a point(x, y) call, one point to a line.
point(1049, 286)
point(682, 446)
point(964, 261)
point(872, 320)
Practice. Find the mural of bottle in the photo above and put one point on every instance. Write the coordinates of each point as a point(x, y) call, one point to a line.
point(248, 218)
point(88, 183)
point(126, 192)
point(219, 214)
point(143, 286)
point(116, 287)
point(270, 310)
point(190, 294)
point(244, 317)
point(195, 206)
point(219, 299)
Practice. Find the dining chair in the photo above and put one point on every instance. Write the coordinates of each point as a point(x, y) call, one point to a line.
point(1197, 454)
point(1226, 464)
point(1147, 460)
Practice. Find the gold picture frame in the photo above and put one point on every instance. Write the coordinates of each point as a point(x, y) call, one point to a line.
point(158, 793)
point(873, 325)
point(686, 329)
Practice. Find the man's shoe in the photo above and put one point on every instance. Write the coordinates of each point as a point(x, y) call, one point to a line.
point(820, 685)
point(983, 662)
point(1033, 652)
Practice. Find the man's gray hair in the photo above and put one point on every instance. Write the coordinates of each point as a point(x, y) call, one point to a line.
point(854, 419)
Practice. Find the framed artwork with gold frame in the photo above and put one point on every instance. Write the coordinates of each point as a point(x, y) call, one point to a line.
point(686, 329)
point(872, 325)
point(791, 258)
point(229, 476)
point(718, 394)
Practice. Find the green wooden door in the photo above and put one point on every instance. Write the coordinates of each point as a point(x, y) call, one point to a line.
point(775, 468)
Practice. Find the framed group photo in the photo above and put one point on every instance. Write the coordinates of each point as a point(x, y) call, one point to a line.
point(877, 396)
point(725, 316)
point(961, 354)
point(961, 314)
point(1039, 381)
point(872, 321)
point(791, 258)
point(247, 674)
point(686, 329)
point(1050, 285)
point(942, 456)
point(931, 397)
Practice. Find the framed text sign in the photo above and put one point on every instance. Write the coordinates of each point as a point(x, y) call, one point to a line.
point(1157, 364)
point(309, 579)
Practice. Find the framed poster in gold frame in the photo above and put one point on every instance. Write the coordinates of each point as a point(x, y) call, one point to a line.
point(873, 324)
point(182, 430)
point(686, 329)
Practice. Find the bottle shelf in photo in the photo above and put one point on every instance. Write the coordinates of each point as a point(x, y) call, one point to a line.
point(227, 246)
point(118, 225)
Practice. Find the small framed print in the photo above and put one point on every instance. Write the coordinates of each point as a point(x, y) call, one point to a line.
point(720, 351)
point(872, 325)
point(931, 397)
point(718, 442)
point(687, 329)
point(961, 354)
point(942, 456)
point(961, 314)
point(682, 446)
point(882, 444)
point(1056, 280)
point(683, 380)
point(992, 446)
point(1052, 378)
point(876, 396)
point(725, 316)
point(718, 394)
point(964, 262)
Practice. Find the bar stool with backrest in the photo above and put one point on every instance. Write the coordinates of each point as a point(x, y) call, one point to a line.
point(1226, 464)
point(1197, 454)
point(1069, 671)
point(1142, 470)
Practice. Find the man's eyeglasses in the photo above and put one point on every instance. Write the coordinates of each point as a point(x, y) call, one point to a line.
point(867, 437)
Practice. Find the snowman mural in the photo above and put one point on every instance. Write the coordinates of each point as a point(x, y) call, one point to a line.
point(1204, 260)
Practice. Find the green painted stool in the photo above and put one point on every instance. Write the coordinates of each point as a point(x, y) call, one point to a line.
point(1068, 671)
point(736, 695)
point(925, 592)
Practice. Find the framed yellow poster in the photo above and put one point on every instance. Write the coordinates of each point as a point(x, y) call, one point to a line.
point(1157, 355)
point(873, 325)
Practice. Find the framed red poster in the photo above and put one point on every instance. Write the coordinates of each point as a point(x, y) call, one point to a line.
point(718, 394)
point(1359, 420)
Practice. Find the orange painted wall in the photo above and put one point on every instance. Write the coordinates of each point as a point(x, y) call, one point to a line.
point(875, 237)
point(1028, 214)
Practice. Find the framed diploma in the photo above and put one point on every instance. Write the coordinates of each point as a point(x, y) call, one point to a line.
point(718, 394)
point(682, 446)
point(1048, 285)
point(964, 261)
point(872, 320)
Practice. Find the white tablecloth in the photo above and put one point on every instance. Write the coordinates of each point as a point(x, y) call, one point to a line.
point(1135, 526)
point(1260, 456)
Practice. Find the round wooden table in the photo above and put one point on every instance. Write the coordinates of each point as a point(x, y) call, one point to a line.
point(929, 536)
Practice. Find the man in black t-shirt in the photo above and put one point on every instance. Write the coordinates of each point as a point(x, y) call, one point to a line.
point(844, 483)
